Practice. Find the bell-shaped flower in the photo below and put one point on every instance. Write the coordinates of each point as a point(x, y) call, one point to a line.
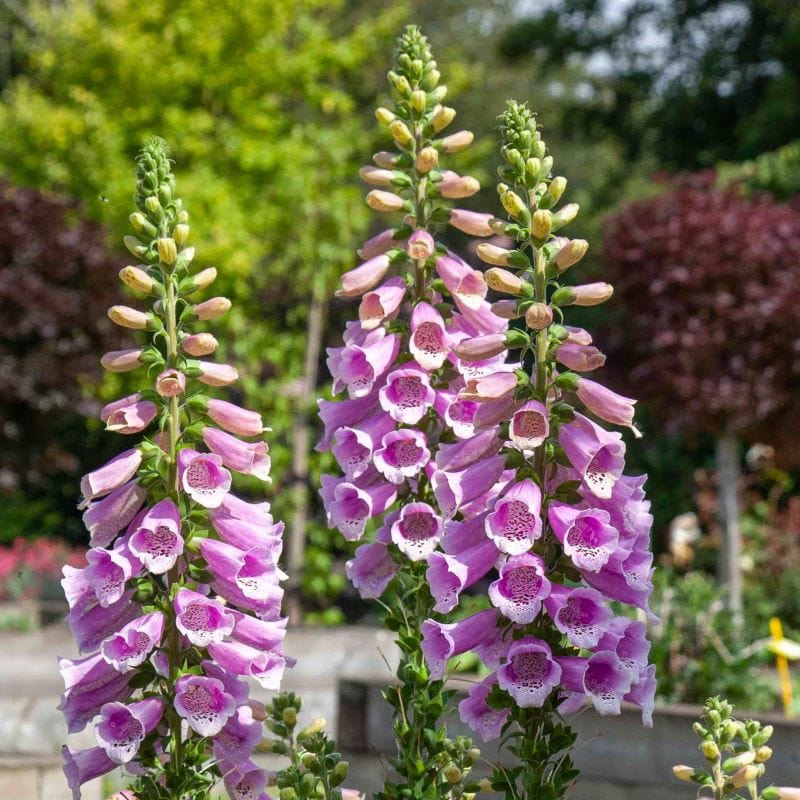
point(343, 414)
point(203, 703)
point(251, 571)
point(134, 642)
point(580, 614)
point(643, 694)
point(241, 659)
point(235, 419)
point(237, 740)
point(596, 454)
point(428, 340)
point(627, 638)
point(249, 535)
point(458, 456)
point(453, 490)
point(364, 277)
point(122, 728)
point(457, 413)
point(474, 711)
point(203, 477)
point(244, 781)
point(157, 542)
point(90, 623)
point(602, 678)
point(236, 508)
point(371, 569)
point(580, 357)
point(515, 523)
point(82, 766)
point(261, 634)
point(407, 395)
point(129, 414)
point(585, 533)
point(531, 673)
point(107, 517)
point(236, 688)
point(442, 641)
point(349, 506)
point(365, 356)
point(627, 577)
point(417, 530)
point(106, 572)
point(248, 458)
point(112, 475)
point(353, 447)
point(530, 426)
point(607, 404)
point(382, 303)
point(200, 619)
point(449, 575)
point(402, 455)
point(171, 383)
point(521, 588)
point(466, 284)
point(629, 510)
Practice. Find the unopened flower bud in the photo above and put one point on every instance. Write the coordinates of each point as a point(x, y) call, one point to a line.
point(216, 374)
point(571, 253)
point(167, 250)
point(384, 116)
point(442, 117)
point(427, 159)
point(400, 133)
point(421, 245)
point(419, 99)
point(199, 344)
point(137, 279)
point(140, 223)
point(127, 317)
point(400, 84)
point(710, 750)
point(153, 206)
point(683, 772)
point(317, 726)
point(556, 189)
point(744, 776)
point(458, 187)
point(538, 316)
point(480, 347)
point(788, 793)
point(385, 159)
point(180, 233)
point(456, 142)
point(592, 294)
point(258, 709)
point(763, 753)
point(122, 360)
point(541, 223)
point(492, 254)
point(506, 309)
point(339, 773)
point(379, 200)
point(533, 166)
point(376, 176)
point(741, 760)
point(452, 774)
point(171, 383)
point(513, 204)
point(501, 280)
point(472, 223)
point(763, 736)
point(565, 215)
point(212, 308)
point(203, 279)
point(289, 715)
point(136, 247)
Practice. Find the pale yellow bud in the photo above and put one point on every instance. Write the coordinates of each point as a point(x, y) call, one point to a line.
point(492, 254)
point(139, 221)
point(384, 201)
point(419, 100)
point(203, 279)
point(556, 188)
point(501, 280)
point(513, 204)
point(384, 116)
point(571, 253)
point(456, 142)
point(541, 223)
point(763, 753)
point(400, 132)
point(565, 215)
point(452, 774)
point(427, 159)
point(127, 317)
point(317, 726)
point(376, 176)
point(683, 773)
point(137, 279)
point(538, 316)
point(167, 251)
point(533, 166)
point(710, 750)
point(180, 233)
point(442, 117)
point(745, 775)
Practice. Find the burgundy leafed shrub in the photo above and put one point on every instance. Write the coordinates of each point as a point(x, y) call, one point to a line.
point(56, 279)
point(710, 282)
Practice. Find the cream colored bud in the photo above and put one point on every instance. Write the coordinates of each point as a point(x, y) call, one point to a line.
point(533, 166)
point(419, 100)
point(442, 117)
point(458, 187)
point(204, 279)
point(492, 254)
point(452, 774)
point(385, 159)
point(427, 159)
point(513, 204)
point(556, 188)
point(400, 132)
point(376, 176)
point(137, 279)
point(199, 344)
point(180, 233)
point(501, 280)
point(384, 116)
point(763, 753)
point(138, 221)
point(289, 715)
point(538, 316)
point(153, 205)
point(485, 785)
point(317, 726)
point(384, 201)
point(187, 255)
point(456, 142)
point(571, 253)
point(127, 317)
point(683, 773)
point(565, 215)
point(592, 294)
point(745, 775)
point(710, 750)
point(541, 223)
point(212, 308)
point(498, 226)
point(167, 251)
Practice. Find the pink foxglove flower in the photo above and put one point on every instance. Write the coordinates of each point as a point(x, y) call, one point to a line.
point(112, 475)
point(521, 588)
point(407, 395)
point(203, 703)
point(203, 477)
point(171, 383)
point(235, 419)
point(129, 414)
point(133, 643)
point(157, 541)
point(417, 530)
point(530, 425)
point(531, 673)
point(442, 641)
point(486, 721)
point(248, 458)
point(515, 522)
point(123, 727)
point(401, 455)
point(105, 518)
point(200, 619)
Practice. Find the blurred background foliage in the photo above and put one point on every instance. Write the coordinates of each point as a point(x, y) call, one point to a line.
point(267, 105)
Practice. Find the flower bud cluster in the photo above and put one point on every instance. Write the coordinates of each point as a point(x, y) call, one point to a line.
point(180, 601)
point(735, 754)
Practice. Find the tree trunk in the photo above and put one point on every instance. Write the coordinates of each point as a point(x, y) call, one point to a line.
point(301, 442)
point(730, 550)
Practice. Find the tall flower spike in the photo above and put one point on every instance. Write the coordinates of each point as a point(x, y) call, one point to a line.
point(181, 592)
point(570, 531)
point(401, 374)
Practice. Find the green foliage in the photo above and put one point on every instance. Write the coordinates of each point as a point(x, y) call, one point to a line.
point(776, 172)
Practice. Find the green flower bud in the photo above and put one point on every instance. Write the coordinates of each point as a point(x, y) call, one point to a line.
point(556, 188)
point(154, 207)
point(339, 773)
point(400, 84)
point(180, 233)
point(384, 116)
point(763, 736)
point(452, 774)
point(289, 715)
point(741, 760)
point(710, 750)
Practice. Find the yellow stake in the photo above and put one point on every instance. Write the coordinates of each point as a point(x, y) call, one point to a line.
point(782, 663)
